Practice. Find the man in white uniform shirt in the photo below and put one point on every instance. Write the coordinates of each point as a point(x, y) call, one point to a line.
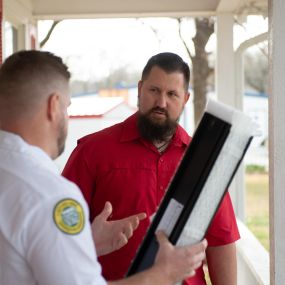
point(45, 237)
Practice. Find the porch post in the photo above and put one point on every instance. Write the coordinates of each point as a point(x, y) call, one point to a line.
point(225, 90)
point(277, 141)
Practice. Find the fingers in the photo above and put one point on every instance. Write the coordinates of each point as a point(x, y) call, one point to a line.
point(111, 235)
point(196, 253)
point(180, 261)
point(128, 230)
point(161, 238)
point(191, 273)
point(134, 221)
point(130, 224)
point(106, 212)
point(199, 247)
point(122, 241)
point(141, 216)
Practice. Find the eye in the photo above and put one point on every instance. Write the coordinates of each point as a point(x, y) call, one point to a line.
point(172, 94)
point(153, 89)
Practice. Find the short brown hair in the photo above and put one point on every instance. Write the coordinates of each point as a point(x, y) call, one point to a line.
point(25, 76)
point(169, 62)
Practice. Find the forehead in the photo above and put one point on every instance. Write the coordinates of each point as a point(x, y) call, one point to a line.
point(160, 77)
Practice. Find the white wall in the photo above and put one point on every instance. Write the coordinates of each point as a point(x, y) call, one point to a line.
point(79, 127)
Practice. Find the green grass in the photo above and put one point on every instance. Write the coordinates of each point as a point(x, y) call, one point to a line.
point(257, 206)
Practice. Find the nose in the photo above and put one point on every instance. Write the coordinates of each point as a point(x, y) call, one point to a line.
point(161, 101)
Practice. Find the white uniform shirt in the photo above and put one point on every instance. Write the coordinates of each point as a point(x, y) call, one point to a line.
point(45, 236)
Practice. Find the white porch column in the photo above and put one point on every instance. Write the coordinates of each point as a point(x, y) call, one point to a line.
point(225, 59)
point(27, 36)
point(225, 90)
point(277, 142)
point(22, 37)
point(19, 14)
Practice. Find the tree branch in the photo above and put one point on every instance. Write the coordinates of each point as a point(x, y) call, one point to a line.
point(44, 41)
point(182, 39)
point(153, 29)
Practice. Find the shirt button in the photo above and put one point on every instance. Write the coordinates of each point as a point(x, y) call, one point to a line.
point(161, 187)
point(161, 160)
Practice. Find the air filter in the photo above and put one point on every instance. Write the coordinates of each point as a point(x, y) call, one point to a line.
point(200, 182)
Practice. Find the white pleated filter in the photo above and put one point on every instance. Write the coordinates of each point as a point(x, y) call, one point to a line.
point(241, 130)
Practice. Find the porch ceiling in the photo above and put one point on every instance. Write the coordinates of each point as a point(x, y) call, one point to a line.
point(61, 9)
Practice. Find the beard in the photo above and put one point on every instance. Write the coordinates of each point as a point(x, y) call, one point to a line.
point(153, 130)
point(62, 134)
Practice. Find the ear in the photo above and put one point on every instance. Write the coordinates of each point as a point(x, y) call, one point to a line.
point(140, 83)
point(53, 107)
point(187, 96)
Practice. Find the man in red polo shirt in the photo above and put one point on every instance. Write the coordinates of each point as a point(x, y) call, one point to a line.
point(131, 164)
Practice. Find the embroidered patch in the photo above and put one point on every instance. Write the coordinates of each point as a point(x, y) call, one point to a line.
point(68, 216)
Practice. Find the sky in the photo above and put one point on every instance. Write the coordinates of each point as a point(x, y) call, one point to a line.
point(97, 46)
point(93, 48)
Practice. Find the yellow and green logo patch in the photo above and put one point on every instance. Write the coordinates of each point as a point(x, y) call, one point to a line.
point(68, 216)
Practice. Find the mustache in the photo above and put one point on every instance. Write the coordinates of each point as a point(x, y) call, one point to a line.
point(158, 109)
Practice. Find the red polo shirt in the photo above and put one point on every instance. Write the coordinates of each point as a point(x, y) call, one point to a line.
point(118, 165)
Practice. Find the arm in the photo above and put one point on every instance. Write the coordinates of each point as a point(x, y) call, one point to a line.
point(71, 257)
point(172, 264)
point(112, 235)
point(222, 264)
point(57, 238)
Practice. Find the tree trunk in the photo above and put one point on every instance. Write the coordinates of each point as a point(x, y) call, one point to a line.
point(200, 63)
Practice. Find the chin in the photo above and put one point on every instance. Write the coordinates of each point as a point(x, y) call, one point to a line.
point(158, 120)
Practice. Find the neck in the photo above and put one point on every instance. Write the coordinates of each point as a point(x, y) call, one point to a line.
point(161, 145)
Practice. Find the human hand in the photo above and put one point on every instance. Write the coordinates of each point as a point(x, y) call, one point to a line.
point(112, 235)
point(178, 262)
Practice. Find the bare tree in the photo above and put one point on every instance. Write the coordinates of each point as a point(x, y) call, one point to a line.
point(200, 62)
point(153, 29)
point(46, 38)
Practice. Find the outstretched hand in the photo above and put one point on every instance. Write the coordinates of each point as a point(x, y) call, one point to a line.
point(112, 235)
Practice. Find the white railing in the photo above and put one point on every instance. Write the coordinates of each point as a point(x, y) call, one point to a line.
point(253, 259)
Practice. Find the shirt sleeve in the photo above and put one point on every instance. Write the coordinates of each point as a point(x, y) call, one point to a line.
point(59, 244)
point(78, 171)
point(223, 229)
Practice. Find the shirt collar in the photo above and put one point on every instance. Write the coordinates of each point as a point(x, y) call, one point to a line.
point(181, 137)
point(130, 132)
point(13, 142)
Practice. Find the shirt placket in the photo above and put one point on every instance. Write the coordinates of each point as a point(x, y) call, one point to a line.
point(160, 177)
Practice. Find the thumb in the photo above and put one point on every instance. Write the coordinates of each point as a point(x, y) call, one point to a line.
point(161, 237)
point(107, 211)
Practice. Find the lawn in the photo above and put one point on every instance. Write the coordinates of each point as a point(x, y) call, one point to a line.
point(257, 206)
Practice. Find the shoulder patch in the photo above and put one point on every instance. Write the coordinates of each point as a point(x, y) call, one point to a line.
point(69, 217)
